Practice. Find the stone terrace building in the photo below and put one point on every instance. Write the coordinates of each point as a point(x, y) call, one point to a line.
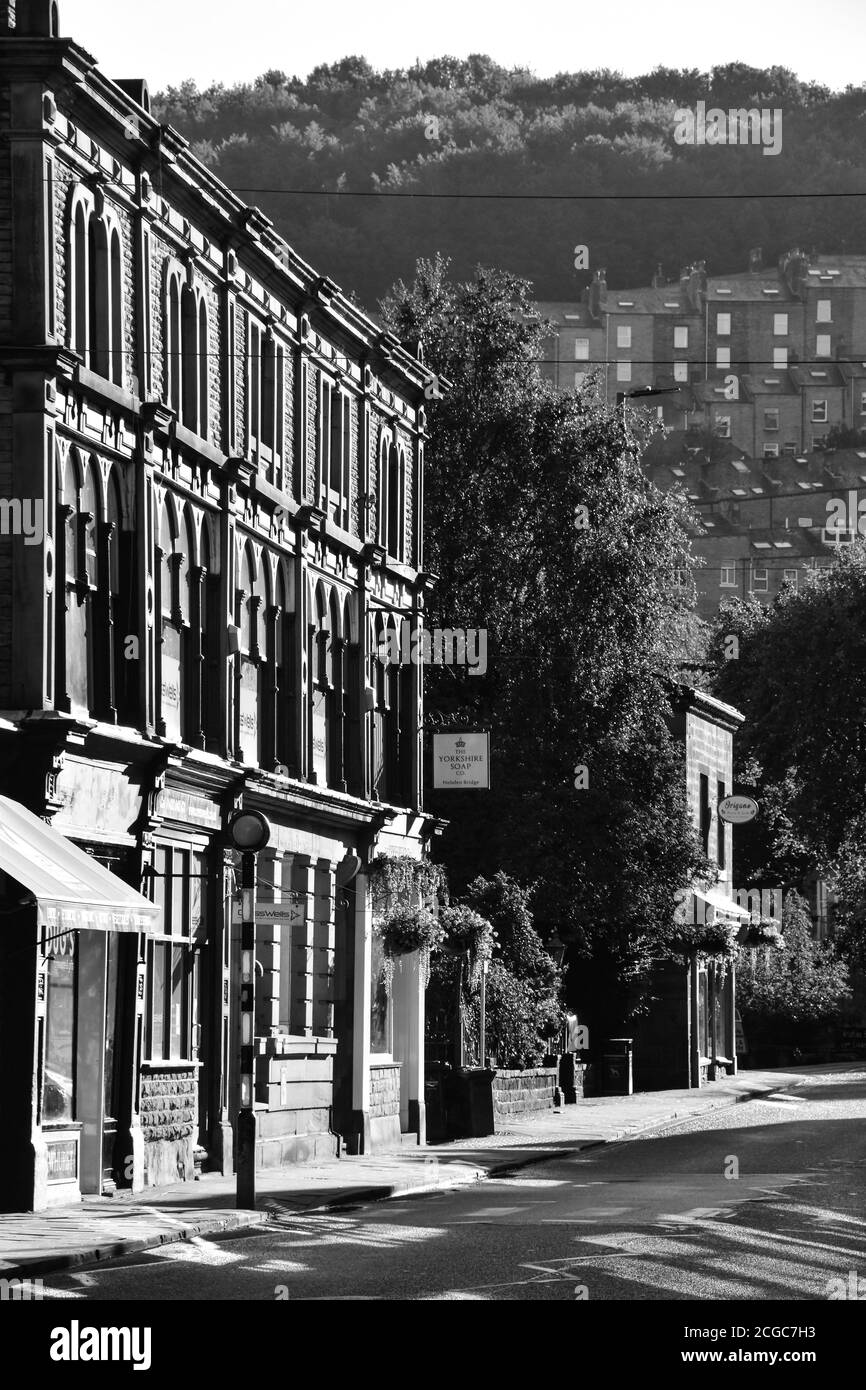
point(211, 482)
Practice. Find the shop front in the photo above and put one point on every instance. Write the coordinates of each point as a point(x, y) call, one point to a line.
point(72, 995)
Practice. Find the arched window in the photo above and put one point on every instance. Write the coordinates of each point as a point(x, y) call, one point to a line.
point(386, 449)
point(90, 582)
point(395, 501)
point(120, 618)
point(189, 358)
point(96, 289)
point(80, 281)
point(172, 343)
point(249, 619)
point(213, 674)
point(170, 659)
point(116, 335)
point(203, 361)
point(285, 679)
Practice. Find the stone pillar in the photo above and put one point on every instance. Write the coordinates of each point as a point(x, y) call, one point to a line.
point(303, 942)
point(359, 1139)
point(268, 951)
point(408, 1014)
point(325, 937)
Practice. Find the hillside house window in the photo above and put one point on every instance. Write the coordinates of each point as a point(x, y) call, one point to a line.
point(823, 345)
point(771, 451)
point(819, 412)
point(623, 371)
point(771, 419)
point(681, 371)
point(759, 579)
point(681, 336)
point(823, 311)
point(780, 357)
point(723, 356)
point(780, 325)
point(623, 335)
point(723, 325)
point(581, 349)
point(728, 578)
point(723, 427)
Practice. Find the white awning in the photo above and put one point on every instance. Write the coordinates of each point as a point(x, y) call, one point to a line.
point(716, 899)
point(73, 891)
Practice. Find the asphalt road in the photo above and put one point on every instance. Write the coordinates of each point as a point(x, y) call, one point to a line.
point(765, 1200)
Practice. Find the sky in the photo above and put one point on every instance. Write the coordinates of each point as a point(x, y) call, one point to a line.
point(130, 38)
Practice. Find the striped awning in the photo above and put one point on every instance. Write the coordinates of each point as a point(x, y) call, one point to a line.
point(73, 891)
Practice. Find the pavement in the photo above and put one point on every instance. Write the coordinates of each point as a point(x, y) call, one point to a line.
point(104, 1228)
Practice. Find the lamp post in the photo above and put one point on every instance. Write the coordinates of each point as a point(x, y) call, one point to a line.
point(249, 832)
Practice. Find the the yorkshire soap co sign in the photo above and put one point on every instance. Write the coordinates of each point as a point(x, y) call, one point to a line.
point(461, 761)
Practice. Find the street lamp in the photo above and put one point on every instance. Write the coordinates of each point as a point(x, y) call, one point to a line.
point(248, 832)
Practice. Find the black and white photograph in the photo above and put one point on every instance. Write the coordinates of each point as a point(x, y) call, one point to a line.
point(432, 678)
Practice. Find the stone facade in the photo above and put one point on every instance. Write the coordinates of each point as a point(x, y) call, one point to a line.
point(200, 416)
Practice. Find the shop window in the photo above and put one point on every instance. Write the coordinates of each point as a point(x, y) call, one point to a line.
point(381, 1013)
point(720, 827)
point(58, 1081)
point(178, 885)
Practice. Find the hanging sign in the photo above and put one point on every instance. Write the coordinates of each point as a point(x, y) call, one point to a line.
point(738, 809)
point(461, 761)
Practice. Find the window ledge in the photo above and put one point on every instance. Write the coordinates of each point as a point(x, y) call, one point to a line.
point(172, 1063)
point(107, 388)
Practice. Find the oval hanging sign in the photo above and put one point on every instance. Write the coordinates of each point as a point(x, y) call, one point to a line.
point(738, 809)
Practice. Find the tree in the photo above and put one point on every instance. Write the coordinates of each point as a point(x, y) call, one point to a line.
point(799, 680)
point(544, 531)
point(799, 983)
point(524, 985)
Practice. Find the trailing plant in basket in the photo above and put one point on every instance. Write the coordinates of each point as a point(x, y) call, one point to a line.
point(397, 878)
point(763, 933)
point(465, 931)
point(403, 930)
